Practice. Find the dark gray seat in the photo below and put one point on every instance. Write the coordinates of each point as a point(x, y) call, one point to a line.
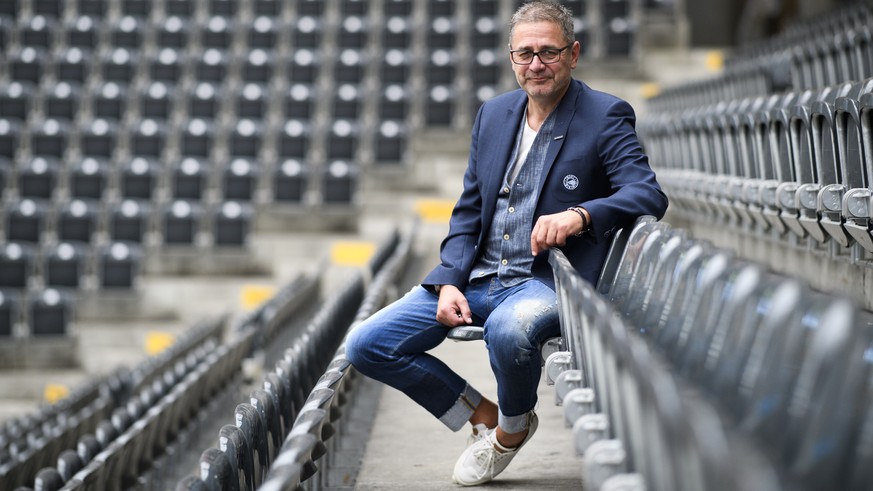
point(89, 179)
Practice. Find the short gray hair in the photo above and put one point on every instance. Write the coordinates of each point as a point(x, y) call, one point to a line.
point(544, 11)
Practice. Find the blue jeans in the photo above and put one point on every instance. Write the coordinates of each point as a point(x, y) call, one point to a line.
point(391, 346)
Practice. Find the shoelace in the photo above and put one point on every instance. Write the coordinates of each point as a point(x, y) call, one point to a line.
point(487, 456)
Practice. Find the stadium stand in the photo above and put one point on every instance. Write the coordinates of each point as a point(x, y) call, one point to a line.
point(724, 348)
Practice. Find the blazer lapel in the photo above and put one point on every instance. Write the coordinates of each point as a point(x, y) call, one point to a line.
point(503, 136)
point(565, 111)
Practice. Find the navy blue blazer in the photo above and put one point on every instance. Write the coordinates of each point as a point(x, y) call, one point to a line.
point(595, 161)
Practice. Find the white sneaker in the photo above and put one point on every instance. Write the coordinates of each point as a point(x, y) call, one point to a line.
point(487, 458)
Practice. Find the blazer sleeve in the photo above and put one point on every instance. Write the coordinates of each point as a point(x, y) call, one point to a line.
point(460, 247)
point(635, 191)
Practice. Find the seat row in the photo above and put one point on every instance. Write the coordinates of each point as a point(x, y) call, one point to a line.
point(790, 163)
point(781, 367)
point(131, 223)
point(309, 386)
point(833, 49)
point(48, 447)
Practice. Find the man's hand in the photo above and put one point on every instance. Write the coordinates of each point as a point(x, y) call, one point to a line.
point(452, 308)
point(553, 230)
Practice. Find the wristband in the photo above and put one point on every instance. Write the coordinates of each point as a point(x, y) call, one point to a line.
point(581, 213)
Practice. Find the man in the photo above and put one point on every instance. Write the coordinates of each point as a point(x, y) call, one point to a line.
point(555, 164)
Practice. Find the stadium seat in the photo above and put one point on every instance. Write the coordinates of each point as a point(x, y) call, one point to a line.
point(76, 221)
point(109, 101)
point(118, 265)
point(486, 69)
point(299, 101)
point(148, 138)
point(303, 66)
point(156, 101)
point(48, 479)
point(306, 32)
point(619, 30)
point(391, 142)
point(129, 221)
point(16, 264)
point(127, 32)
point(38, 178)
point(350, 66)
point(395, 67)
point(69, 463)
point(263, 34)
point(441, 67)
point(394, 102)
point(50, 137)
point(348, 101)
point(264, 403)
point(180, 222)
point(397, 32)
point(64, 265)
point(89, 179)
point(251, 101)
point(217, 33)
point(16, 101)
point(25, 221)
point(849, 121)
point(353, 32)
point(339, 182)
point(62, 101)
point(343, 139)
point(486, 33)
point(197, 138)
point(50, 312)
point(239, 180)
point(173, 32)
point(83, 32)
point(119, 65)
point(294, 139)
point(189, 179)
point(216, 470)
point(439, 106)
point(212, 67)
point(98, 138)
point(167, 66)
point(249, 420)
point(290, 181)
point(27, 65)
point(258, 66)
point(246, 138)
point(280, 390)
point(233, 443)
point(139, 178)
point(204, 101)
point(828, 201)
point(232, 222)
point(442, 33)
point(270, 8)
point(88, 447)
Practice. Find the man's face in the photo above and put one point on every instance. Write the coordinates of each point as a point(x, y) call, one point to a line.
point(545, 82)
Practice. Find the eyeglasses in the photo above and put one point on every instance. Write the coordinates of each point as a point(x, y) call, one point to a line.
point(546, 56)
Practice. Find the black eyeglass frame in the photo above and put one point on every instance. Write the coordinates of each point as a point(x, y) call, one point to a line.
point(536, 54)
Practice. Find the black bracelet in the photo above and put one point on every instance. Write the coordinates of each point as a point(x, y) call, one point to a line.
point(581, 213)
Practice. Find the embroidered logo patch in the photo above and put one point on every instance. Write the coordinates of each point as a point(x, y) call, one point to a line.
point(571, 182)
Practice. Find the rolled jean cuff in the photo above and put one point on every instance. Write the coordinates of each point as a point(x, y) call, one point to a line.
point(512, 424)
point(458, 415)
